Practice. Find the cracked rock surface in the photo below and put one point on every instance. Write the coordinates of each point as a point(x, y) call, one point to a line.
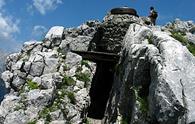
point(154, 81)
point(46, 82)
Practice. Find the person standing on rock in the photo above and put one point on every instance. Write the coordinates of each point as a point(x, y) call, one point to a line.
point(153, 15)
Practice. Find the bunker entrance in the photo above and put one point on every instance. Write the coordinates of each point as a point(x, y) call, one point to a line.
point(101, 82)
point(100, 89)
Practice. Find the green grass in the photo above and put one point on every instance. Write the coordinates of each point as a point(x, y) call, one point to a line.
point(85, 62)
point(65, 68)
point(86, 121)
point(71, 96)
point(45, 113)
point(32, 122)
point(149, 39)
point(68, 81)
point(143, 104)
point(142, 100)
point(191, 48)
point(32, 85)
point(85, 77)
point(180, 37)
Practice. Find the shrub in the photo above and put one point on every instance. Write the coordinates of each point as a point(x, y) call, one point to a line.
point(191, 48)
point(142, 100)
point(149, 39)
point(71, 96)
point(32, 85)
point(85, 77)
point(85, 62)
point(68, 81)
point(45, 113)
point(180, 37)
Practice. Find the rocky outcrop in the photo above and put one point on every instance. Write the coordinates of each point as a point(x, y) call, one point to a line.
point(152, 83)
point(47, 83)
point(154, 80)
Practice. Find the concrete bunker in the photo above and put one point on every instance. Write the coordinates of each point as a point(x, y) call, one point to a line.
point(104, 49)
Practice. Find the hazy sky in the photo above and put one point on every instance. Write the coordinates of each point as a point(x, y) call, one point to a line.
point(24, 20)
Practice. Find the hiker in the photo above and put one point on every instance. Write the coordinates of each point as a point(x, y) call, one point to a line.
point(153, 15)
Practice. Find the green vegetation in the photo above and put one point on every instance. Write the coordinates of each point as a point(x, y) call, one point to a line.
point(143, 104)
point(68, 81)
point(59, 50)
point(65, 68)
point(71, 96)
point(85, 77)
point(142, 100)
point(191, 48)
point(45, 113)
point(86, 121)
point(149, 39)
point(79, 69)
point(85, 63)
point(124, 121)
point(180, 37)
point(32, 122)
point(32, 85)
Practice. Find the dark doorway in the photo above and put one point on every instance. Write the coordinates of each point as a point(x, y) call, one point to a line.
point(100, 89)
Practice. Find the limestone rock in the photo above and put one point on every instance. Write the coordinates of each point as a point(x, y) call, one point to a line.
point(8, 105)
point(17, 117)
point(17, 82)
point(55, 32)
point(37, 69)
point(190, 37)
point(72, 59)
point(39, 98)
point(41, 81)
point(153, 80)
point(7, 76)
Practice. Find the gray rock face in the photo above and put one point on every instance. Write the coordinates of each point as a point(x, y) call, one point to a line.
point(41, 89)
point(153, 82)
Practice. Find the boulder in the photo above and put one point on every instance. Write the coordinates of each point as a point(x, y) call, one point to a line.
point(55, 32)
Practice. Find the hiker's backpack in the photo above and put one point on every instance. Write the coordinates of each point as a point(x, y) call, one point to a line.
point(154, 14)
